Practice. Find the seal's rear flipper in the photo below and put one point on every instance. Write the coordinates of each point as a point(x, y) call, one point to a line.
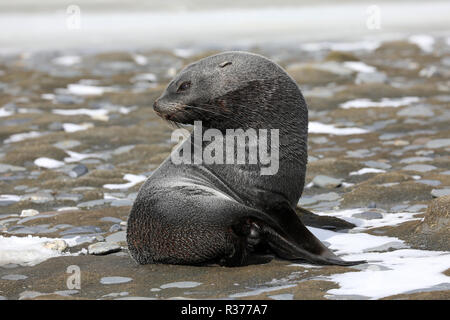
point(287, 249)
point(290, 239)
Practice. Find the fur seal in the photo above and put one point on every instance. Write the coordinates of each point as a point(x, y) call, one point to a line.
point(220, 213)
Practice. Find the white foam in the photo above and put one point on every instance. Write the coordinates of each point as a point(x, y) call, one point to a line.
point(75, 156)
point(366, 170)
point(144, 77)
point(359, 66)
point(425, 42)
point(317, 127)
point(5, 113)
point(388, 273)
point(87, 90)
point(28, 251)
point(400, 271)
point(340, 46)
point(97, 114)
point(24, 136)
point(132, 178)
point(388, 218)
point(67, 60)
point(181, 284)
point(73, 127)
point(9, 197)
point(385, 102)
point(48, 163)
point(140, 59)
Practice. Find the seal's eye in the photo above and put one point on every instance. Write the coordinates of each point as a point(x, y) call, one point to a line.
point(184, 86)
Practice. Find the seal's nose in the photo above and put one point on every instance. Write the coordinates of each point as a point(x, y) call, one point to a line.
point(156, 106)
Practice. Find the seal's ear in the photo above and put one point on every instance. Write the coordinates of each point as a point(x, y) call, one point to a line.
point(224, 64)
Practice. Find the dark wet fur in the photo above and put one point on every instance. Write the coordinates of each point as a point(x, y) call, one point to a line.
point(229, 214)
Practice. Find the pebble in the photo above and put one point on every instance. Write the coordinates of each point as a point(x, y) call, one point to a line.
point(433, 183)
point(58, 245)
point(387, 247)
point(440, 192)
point(370, 77)
point(69, 197)
point(29, 213)
point(416, 208)
point(323, 181)
point(78, 171)
point(122, 202)
point(14, 277)
point(82, 229)
point(102, 248)
point(115, 280)
point(181, 284)
point(120, 236)
point(9, 168)
point(416, 111)
point(111, 219)
point(416, 159)
point(419, 167)
point(115, 228)
point(438, 143)
point(67, 144)
point(377, 164)
point(92, 203)
point(368, 215)
point(38, 197)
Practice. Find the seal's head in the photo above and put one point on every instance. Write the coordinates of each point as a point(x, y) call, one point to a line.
point(231, 90)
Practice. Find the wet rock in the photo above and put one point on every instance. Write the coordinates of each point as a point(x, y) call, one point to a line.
point(10, 168)
point(102, 248)
point(386, 196)
point(39, 197)
point(78, 171)
point(433, 183)
point(28, 213)
point(14, 277)
point(93, 203)
point(67, 144)
point(58, 245)
point(438, 143)
point(115, 280)
point(440, 192)
point(416, 208)
point(437, 221)
point(323, 181)
point(55, 126)
point(122, 203)
point(83, 229)
point(393, 245)
point(339, 168)
point(419, 167)
point(372, 77)
point(368, 215)
point(416, 111)
point(377, 164)
point(111, 219)
point(415, 159)
point(115, 228)
point(117, 237)
point(75, 197)
point(320, 73)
